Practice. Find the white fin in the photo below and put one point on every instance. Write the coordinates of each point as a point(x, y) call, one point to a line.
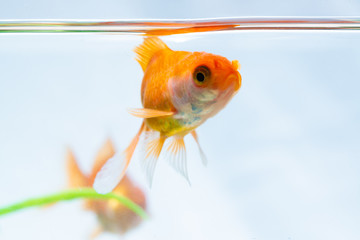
point(177, 156)
point(105, 153)
point(202, 154)
point(110, 174)
point(153, 144)
point(115, 168)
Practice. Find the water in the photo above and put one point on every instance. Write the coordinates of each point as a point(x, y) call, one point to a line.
point(283, 155)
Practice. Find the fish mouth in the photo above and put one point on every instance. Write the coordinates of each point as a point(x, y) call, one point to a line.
point(234, 80)
point(235, 64)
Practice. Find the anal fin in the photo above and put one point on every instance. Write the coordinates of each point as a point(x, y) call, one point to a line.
point(177, 156)
point(152, 153)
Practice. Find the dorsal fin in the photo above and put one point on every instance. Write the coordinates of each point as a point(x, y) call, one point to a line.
point(76, 178)
point(147, 49)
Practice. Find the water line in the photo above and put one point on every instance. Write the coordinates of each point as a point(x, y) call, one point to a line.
point(159, 27)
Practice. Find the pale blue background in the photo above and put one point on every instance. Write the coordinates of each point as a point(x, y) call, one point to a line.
point(174, 9)
point(283, 155)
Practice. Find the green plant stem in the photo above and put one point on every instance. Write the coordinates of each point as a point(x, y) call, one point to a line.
point(88, 193)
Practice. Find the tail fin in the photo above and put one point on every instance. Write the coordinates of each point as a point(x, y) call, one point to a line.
point(115, 168)
point(106, 152)
point(76, 178)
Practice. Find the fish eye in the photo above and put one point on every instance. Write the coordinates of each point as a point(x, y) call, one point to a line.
point(201, 75)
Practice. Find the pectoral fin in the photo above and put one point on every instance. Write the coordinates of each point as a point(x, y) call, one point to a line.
point(149, 113)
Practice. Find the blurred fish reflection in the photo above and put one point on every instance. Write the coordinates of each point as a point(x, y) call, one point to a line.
point(112, 215)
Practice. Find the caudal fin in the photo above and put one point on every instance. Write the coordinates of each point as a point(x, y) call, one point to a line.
point(111, 173)
point(115, 168)
point(105, 153)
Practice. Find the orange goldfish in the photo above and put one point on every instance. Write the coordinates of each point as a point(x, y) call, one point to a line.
point(113, 216)
point(180, 91)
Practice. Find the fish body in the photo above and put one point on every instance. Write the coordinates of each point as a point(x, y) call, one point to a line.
point(112, 216)
point(180, 91)
point(168, 86)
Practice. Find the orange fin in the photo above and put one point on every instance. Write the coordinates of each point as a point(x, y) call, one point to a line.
point(177, 156)
point(152, 153)
point(75, 176)
point(97, 231)
point(147, 50)
point(202, 154)
point(115, 168)
point(149, 113)
point(106, 151)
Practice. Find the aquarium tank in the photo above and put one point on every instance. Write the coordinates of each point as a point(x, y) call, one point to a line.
point(279, 161)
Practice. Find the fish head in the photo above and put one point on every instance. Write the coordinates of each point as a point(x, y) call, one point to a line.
point(206, 86)
point(216, 73)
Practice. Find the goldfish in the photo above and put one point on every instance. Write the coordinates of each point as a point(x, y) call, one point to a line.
point(180, 90)
point(112, 215)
